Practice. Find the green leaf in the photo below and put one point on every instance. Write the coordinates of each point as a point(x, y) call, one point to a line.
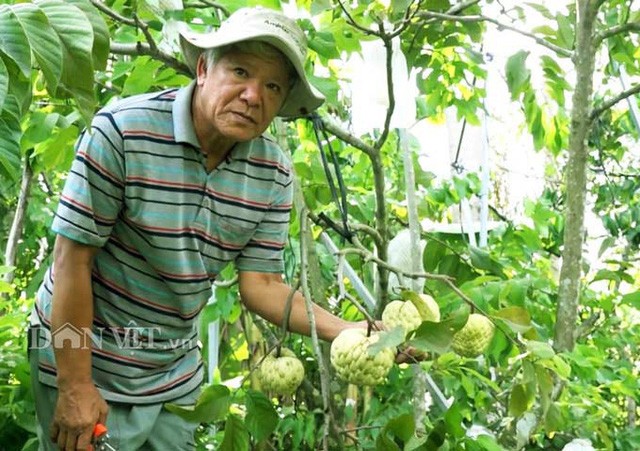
point(44, 43)
point(141, 78)
point(384, 443)
point(387, 339)
point(13, 41)
point(400, 6)
point(553, 420)
point(101, 37)
point(4, 83)
point(320, 6)
point(519, 400)
point(437, 337)
point(453, 420)
point(212, 405)
point(481, 259)
point(76, 38)
point(261, 419)
point(540, 349)
point(433, 252)
point(517, 73)
point(9, 147)
point(402, 427)
point(632, 299)
point(488, 443)
point(324, 44)
point(236, 436)
point(517, 318)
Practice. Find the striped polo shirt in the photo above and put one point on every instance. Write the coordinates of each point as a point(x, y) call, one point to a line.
point(138, 189)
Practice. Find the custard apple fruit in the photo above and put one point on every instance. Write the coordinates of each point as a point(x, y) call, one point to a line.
point(281, 375)
point(427, 308)
point(353, 362)
point(474, 338)
point(400, 313)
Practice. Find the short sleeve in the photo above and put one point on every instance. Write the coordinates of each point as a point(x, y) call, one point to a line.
point(93, 193)
point(264, 251)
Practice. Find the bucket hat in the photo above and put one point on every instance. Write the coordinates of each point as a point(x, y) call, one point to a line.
point(272, 27)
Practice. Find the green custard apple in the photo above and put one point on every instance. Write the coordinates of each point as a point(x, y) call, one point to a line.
point(474, 338)
point(403, 314)
point(427, 307)
point(281, 375)
point(353, 362)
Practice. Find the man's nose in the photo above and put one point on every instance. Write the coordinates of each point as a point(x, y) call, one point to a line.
point(252, 92)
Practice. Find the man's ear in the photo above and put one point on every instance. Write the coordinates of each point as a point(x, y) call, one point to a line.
point(201, 69)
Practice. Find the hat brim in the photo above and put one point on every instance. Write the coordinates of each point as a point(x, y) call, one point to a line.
point(302, 99)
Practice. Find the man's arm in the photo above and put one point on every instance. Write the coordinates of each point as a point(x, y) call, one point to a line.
point(266, 295)
point(80, 406)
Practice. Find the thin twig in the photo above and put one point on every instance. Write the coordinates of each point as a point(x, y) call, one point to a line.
point(353, 22)
point(618, 29)
point(635, 89)
point(348, 137)
point(226, 283)
point(324, 376)
point(114, 15)
point(388, 47)
point(144, 49)
point(208, 4)
point(287, 312)
point(501, 26)
point(373, 233)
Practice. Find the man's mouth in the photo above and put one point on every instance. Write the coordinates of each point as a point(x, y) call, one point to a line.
point(245, 117)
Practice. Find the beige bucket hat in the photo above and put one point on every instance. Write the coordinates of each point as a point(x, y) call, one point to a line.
point(272, 27)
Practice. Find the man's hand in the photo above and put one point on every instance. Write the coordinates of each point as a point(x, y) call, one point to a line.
point(80, 406)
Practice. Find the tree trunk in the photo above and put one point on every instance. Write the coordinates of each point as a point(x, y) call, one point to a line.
point(575, 179)
point(15, 234)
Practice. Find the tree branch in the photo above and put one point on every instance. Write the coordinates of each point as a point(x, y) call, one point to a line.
point(208, 4)
point(462, 6)
point(501, 26)
point(353, 22)
point(618, 29)
point(388, 47)
point(348, 137)
point(145, 49)
point(635, 89)
point(114, 15)
point(329, 420)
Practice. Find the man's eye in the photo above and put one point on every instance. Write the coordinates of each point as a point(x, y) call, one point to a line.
point(239, 71)
point(274, 87)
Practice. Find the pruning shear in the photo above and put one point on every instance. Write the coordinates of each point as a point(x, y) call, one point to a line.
point(101, 438)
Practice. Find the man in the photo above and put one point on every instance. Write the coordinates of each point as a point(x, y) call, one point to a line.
point(166, 189)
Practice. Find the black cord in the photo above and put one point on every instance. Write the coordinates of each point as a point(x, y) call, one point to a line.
point(340, 201)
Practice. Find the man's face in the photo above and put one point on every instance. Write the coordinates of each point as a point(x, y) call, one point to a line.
point(240, 95)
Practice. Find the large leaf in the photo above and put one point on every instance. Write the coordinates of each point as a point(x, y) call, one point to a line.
point(387, 339)
point(261, 418)
point(76, 37)
point(44, 42)
point(212, 405)
point(437, 337)
point(520, 400)
point(9, 147)
point(101, 37)
point(13, 41)
point(236, 436)
point(4, 83)
point(517, 318)
point(481, 259)
point(517, 73)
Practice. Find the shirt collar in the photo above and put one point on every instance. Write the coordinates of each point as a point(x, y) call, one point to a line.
point(182, 120)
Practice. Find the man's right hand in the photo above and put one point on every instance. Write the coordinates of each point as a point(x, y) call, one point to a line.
point(79, 407)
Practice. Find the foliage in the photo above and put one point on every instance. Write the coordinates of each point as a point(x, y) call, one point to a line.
point(56, 67)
